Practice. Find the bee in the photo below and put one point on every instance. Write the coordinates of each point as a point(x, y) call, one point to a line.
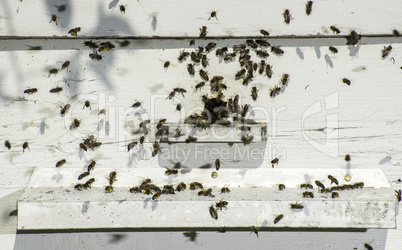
point(88, 184)
point(171, 95)
point(335, 29)
point(30, 91)
point(306, 185)
point(296, 206)
point(358, 185)
point(262, 53)
point(91, 166)
point(109, 189)
point(83, 147)
point(75, 124)
point(319, 184)
point(7, 144)
point(347, 157)
point(333, 179)
point(277, 50)
point(25, 146)
point(191, 139)
point(122, 9)
point(112, 177)
point(287, 16)
point(160, 123)
point(225, 190)
point(308, 194)
point(213, 14)
point(386, 51)
point(190, 69)
point(213, 212)
point(221, 51)
point(262, 67)
point(181, 187)
point(178, 107)
point(60, 163)
point(278, 218)
point(200, 85)
point(204, 75)
point(247, 79)
point(254, 229)
point(285, 79)
point(229, 56)
point(106, 46)
point(147, 191)
point(221, 204)
point(268, 71)
point(168, 189)
point(53, 19)
point(180, 91)
point(275, 161)
point(239, 48)
point(195, 185)
point(203, 32)
point(91, 44)
point(136, 105)
point(85, 174)
point(240, 74)
point(281, 186)
point(135, 190)
point(170, 171)
point(335, 195)
point(79, 186)
point(65, 65)
point(353, 38)
point(74, 31)
point(262, 43)
point(156, 196)
point(398, 195)
point(346, 81)
point(53, 71)
point(254, 93)
point(56, 90)
point(264, 32)
point(217, 164)
point(246, 139)
point(166, 65)
point(275, 91)
point(102, 112)
point(156, 149)
point(309, 6)
point(195, 57)
point(87, 104)
point(183, 55)
point(251, 43)
point(333, 49)
point(210, 46)
point(204, 61)
point(95, 56)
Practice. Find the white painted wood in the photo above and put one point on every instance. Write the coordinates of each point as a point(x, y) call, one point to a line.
point(178, 18)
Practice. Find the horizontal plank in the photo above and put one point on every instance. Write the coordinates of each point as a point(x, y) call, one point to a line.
point(178, 18)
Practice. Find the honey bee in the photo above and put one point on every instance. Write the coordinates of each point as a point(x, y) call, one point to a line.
point(275, 161)
point(262, 43)
point(53, 71)
point(56, 90)
point(180, 91)
point(106, 46)
point(91, 166)
point(213, 212)
point(285, 79)
point(217, 164)
point(213, 14)
point(79, 186)
point(74, 31)
point(88, 184)
point(221, 204)
point(147, 191)
point(60, 163)
point(333, 49)
point(353, 38)
point(200, 85)
point(190, 69)
point(7, 144)
point(254, 229)
point(247, 79)
point(251, 43)
point(142, 139)
point(53, 19)
point(156, 149)
point(195, 57)
point(308, 194)
point(204, 61)
point(319, 184)
point(335, 195)
point(178, 107)
point(398, 195)
point(225, 190)
point(333, 179)
point(246, 139)
point(203, 32)
point(181, 187)
point(135, 190)
point(95, 56)
point(183, 55)
point(195, 185)
point(346, 81)
point(65, 65)
point(268, 70)
point(85, 174)
point(122, 9)
point(254, 93)
point(210, 46)
point(160, 123)
point(347, 157)
point(228, 57)
point(75, 124)
point(239, 48)
point(281, 186)
point(25, 146)
point(309, 6)
point(306, 185)
point(277, 50)
point(262, 53)
point(191, 139)
point(30, 91)
point(264, 32)
point(170, 171)
point(240, 74)
point(386, 51)
point(166, 65)
point(335, 29)
point(109, 189)
point(296, 206)
point(204, 75)
point(87, 104)
point(83, 147)
point(221, 51)
point(287, 16)
point(278, 218)
point(91, 44)
point(156, 196)
point(168, 189)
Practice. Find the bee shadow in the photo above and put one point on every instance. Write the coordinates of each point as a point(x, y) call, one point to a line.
point(300, 53)
point(329, 61)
